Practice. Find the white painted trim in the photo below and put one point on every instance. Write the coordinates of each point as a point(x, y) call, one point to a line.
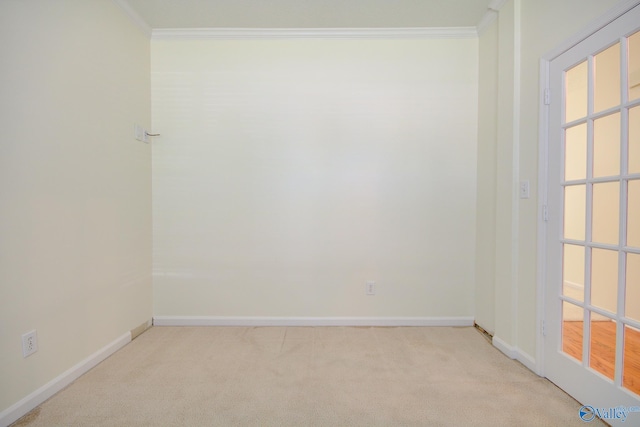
point(313, 33)
point(515, 199)
point(505, 348)
point(22, 407)
point(543, 202)
point(574, 285)
point(528, 361)
point(496, 5)
point(515, 354)
point(134, 16)
point(487, 19)
point(492, 13)
point(310, 321)
point(602, 21)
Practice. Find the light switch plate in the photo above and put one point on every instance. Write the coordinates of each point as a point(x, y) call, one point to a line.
point(139, 132)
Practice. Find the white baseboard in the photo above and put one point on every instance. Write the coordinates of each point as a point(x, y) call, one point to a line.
point(528, 361)
point(574, 285)
point(516, 354)
point(34, 399)
point(310, 321)
point(507, 349)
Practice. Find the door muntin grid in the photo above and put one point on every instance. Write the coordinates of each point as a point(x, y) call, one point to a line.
point(600, 203)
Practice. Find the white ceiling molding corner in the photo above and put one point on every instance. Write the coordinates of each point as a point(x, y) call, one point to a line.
point(134, 16)
point(496, 5)
point(313, 33)
point(486, 21)
point(490, 15)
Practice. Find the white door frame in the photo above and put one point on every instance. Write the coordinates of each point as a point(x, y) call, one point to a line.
point(543, 161)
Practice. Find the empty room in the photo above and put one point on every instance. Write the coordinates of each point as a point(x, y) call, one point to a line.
point(319, 212)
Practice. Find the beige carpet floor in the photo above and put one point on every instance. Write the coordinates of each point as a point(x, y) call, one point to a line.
point(308, 376)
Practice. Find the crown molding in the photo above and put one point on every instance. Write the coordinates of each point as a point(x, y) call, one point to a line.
point(496, 5)
point(134, 17)
point(313, 33)
point(489, 17)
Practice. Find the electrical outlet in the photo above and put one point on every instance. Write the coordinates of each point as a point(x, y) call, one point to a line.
point(29, 343)
point(370, 288)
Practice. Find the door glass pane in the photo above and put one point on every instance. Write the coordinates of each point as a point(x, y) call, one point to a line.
point(576, 92)
point(607, 78)
point(574, 211)
point(634, 66)
point(633, 213)
point(575, 158)
point(634, 140)
point(573, 272)
point(606, 146)
point(604, 279)
point(632, 293)
point(572, 331)
point(606, 212)
point(602, 354)
point(631, 362)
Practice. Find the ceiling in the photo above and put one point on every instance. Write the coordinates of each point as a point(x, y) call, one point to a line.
point(160, 14)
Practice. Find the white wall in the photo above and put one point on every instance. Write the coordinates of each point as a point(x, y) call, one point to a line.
point(290, 172)
point(506, 172)
point(486, 194)
point(75, 216)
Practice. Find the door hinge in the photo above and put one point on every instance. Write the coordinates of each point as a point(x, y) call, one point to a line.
point(545, 213)
point(544, 332)
point(547, 96)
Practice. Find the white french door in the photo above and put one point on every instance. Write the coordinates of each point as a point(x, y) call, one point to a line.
point(592, 286)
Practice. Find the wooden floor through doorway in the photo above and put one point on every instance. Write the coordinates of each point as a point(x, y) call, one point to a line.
point(603, 350)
